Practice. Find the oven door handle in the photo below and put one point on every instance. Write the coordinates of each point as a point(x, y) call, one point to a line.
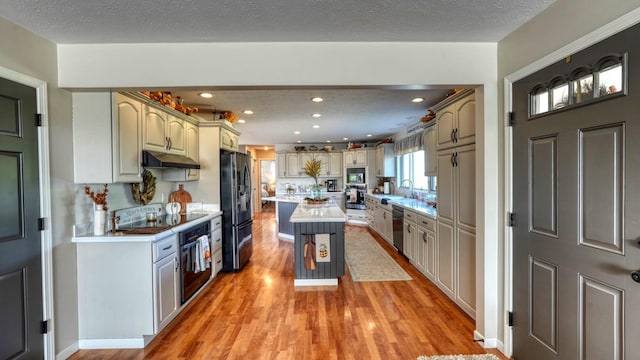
point(188, 246)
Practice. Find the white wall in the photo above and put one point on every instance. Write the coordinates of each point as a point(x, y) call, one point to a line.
point(25, 53)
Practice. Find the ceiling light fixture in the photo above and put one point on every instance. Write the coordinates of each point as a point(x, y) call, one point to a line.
point(248, 112)
point(369, 135)
point(328, 141)
point(316, 115)
point(316, 126)
point(296, 132)
point(345, 138)
point(206, 95)
point(317, 99)
point(417, 100)
point(241, 121)
point(299, 141)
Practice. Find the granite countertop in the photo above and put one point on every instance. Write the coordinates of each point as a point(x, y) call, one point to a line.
point(327, 212)
point(409, 204)
point(122, 237)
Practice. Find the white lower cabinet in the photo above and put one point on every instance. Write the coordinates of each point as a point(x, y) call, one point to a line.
point(166, 284)
point(426, 258)
point(410, 236)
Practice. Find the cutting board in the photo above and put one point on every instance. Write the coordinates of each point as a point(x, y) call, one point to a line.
point(181, 196)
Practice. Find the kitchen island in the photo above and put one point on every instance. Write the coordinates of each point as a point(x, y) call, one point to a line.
point(318, 243)
point(285, 206)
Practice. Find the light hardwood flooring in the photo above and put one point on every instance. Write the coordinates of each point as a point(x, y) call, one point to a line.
point(258, 314)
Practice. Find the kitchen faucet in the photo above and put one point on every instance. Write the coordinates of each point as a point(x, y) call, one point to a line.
point(410, 188)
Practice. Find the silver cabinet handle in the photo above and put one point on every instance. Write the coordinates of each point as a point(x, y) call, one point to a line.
point(175, 260)
point(409, 229)
point(424, 237)
point(167, 248)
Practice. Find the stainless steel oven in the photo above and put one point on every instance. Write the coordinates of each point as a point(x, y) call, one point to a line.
point(193, 276)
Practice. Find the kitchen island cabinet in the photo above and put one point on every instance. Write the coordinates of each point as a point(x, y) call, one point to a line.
point(322, 225)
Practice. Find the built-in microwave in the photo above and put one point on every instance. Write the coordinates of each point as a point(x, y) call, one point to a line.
point(355, 176)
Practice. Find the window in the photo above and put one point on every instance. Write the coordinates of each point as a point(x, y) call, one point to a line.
point(411, 166)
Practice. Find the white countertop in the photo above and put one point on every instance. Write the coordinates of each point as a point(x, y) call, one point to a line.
point(327, 212)
point(298, 197)
point(409, 204)
point(120, 237)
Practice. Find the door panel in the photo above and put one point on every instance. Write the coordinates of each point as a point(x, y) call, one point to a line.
point(20, 253)
point(575, 241)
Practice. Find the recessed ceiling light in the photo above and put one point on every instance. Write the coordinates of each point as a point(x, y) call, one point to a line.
point(328, 141)
point(299, 141)
point(296, 132)
point(345, 138)
point(316, 115)
point(417, 100)
point(316, 126)
point(241, 121)
point(369, 135)
point(206, 95)
point(317, 99)
point(248, 112)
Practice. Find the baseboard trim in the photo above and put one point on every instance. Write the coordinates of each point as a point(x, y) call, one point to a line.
point(66, 353)
point(488, 343)
point(111, 343)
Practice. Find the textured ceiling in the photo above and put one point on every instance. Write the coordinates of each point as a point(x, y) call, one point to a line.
point(351, 113)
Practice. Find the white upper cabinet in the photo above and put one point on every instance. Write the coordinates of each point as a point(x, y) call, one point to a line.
point(177, 133)
point(106, 137)
point(192, 151)
point(430, 150)
point(281, 165)
point(293, 169)
point(355, 158)
point(163, 132)
point(229, 139)
point(385, 161)
point(335, 164)
point(456, 120)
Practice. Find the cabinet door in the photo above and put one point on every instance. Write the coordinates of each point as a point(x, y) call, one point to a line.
point(445, 250)
point(154, 127)
point(446, 184)
point(177, 134)
point(465, 181)
point(361, 157)
point(324, 163)
point(387, 225)
point(228, 140)
point(335, 164)
point(302, 160)
point(445, 119)
point(430, 255)
point(281, 165)
point(379, 161)
point(466, 120)
point(127, 132)
point(408, 247)
point(422, 243)
point(167, 291)
point(292, 165)
point(430, 153)
point(349, 158)
point(465, 262)
point(193, 149)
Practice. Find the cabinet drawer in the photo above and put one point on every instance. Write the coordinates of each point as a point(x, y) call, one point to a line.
point(410, 216)
point(217, 261)
point(216, 239)
point(426, 222)
point(165, 247)
point(216, 223)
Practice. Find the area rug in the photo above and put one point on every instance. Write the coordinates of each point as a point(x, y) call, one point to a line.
point(460, 357)
point(368, 261)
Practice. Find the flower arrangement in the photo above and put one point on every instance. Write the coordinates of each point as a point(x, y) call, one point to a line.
point(230, 116)
point(312, 168)
point(99, 198)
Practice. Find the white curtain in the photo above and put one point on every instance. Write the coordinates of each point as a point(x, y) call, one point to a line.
point(409, 144)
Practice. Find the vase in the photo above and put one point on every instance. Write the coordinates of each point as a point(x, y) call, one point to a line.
point(99, 220)
point(316, 192)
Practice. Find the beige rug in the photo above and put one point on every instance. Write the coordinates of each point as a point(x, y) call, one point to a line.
point(368, 261)
point(460, 357)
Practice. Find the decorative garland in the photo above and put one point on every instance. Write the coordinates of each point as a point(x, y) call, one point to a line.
point(146, 195)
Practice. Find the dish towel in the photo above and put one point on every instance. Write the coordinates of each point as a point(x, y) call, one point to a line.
point(309, 254)
point(203, 253)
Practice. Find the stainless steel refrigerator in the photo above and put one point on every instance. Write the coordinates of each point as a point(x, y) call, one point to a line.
point(235, 203)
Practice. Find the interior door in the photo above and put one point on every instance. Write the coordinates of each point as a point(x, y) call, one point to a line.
point(577, 218)
point(20, 252)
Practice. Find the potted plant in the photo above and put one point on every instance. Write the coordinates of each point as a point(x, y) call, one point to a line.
point(312, 168)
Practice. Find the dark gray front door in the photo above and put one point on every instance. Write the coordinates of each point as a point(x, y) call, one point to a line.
point(577, 209)
point(20, 252)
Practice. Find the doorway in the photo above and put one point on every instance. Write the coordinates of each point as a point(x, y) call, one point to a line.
point(267, 184)
point(575, 239)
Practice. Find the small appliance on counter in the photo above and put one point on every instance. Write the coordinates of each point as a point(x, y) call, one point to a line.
point(331, 185)
point(354, 196)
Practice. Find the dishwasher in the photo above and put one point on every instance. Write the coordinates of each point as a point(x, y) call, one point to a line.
point(397, 215)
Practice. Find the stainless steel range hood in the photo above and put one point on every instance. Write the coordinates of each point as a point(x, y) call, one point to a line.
point(155, 159)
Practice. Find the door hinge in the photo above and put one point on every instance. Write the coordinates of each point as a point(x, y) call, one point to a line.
point(510, 318)
point(44, 327)
point(511, 219)
point(38, 120)
point(512, 118)
point(42, 224)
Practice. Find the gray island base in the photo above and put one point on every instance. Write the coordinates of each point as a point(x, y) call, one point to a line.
point(318, 244)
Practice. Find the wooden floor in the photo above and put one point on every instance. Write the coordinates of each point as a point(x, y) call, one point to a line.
point(258, 314)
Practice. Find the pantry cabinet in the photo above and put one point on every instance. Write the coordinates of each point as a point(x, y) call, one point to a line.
point(456, 240)
point(385, 161)
point(430, 139)
point(456, 120)
point(107, 134)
